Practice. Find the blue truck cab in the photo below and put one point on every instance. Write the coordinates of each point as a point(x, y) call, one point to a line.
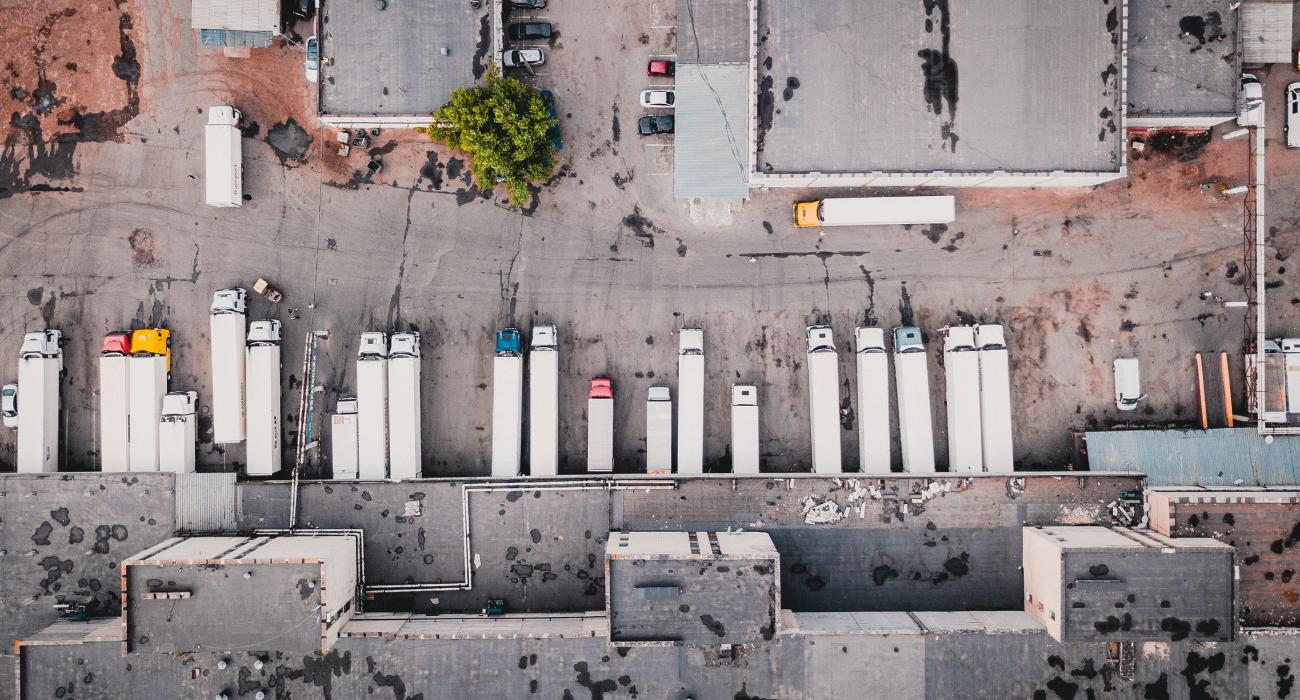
point(508, 341)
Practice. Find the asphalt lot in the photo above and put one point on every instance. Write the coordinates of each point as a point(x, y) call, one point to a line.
point(603, 251)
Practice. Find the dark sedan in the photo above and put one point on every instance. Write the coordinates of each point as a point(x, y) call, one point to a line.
point(649, 125)
point(530, 30)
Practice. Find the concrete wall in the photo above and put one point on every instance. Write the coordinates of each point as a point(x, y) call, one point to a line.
point(1059, 178)
point(1041, 562)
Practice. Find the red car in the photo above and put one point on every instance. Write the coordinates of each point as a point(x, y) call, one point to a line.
point(663, 69)
point(116, 344)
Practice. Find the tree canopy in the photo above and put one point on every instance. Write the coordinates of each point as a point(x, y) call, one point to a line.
point(502, 127)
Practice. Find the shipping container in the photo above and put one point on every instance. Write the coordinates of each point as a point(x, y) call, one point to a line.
point(372, 406)
point(995, 399)
point(343, 438)
point(912, 396)
point(404, 443)
point(873, 400)
point(264, 422)
point(744, 429)
point(961, 367)
point(177, 432)
point(824, 400)
point(228, 336)
point(690, 402)
point(507, 403)
point(659, 431)
point(544, 402)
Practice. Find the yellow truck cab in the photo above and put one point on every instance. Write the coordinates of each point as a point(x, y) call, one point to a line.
point(153, 341)
point(806, 214)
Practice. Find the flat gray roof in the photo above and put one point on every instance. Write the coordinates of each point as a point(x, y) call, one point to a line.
point(711, 153)
point(390, 62)
point(716, 31)
point(1176, 65)
point(976, 86)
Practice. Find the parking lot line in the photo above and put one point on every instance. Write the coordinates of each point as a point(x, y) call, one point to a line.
point(663, 26)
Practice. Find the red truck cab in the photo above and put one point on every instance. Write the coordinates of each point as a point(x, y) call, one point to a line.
point(116, 344)
point(601, 388)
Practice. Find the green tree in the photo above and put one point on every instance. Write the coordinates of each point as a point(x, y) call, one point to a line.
point(501, 126)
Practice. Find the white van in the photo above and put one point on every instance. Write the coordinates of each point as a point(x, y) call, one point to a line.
point(1293, 115)
point(1128, 384)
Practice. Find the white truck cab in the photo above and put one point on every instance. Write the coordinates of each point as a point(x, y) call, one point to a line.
point(374, 345)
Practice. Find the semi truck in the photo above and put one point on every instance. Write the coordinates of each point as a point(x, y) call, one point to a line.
point(404, 456)
point(264, 423)
point(690, 402)
point(114, 402)
point(744, 429)
point(507, 400)
point(875, 211)
point(962, 390)
point(148, 378)
point(343, 438)
point(544, 402)
point(824, 400)
point(40, 363)
point(995, 398)
point(912, 395)
point(372, 406)
point(228, 334)
point(177, 432)
point(659, 430)
point(224, 174)
point(600, 426)
point(873, 399)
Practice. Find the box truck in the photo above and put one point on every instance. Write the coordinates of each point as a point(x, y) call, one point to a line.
point(264, 424)
point(544, 402)
point(224, 174)
point(744, 429)
point(875, 211)
point(873, 399)
point(114, 402)
point(995, 398)
point(659, 430)
point(148, 378)
point(912, 395)
point(690, 402)
point(372, 406)
point(961, 367)
point(507, 400)
point(228, 334)
point(177, 432)
point(343, 438)
point(600, 426)
point(824, 400)
point(404, 456)
point(40, 362)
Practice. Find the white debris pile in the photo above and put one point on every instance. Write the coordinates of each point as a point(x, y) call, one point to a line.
point(824, 513)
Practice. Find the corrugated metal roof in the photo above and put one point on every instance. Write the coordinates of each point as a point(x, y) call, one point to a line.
point(712, 31)
point(1228, 457)
point(712, 135)
point(1266, 32)
point(205, 502)
point(235, 39)
point(247, 15)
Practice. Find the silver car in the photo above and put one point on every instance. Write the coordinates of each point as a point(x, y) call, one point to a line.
point(518, 57)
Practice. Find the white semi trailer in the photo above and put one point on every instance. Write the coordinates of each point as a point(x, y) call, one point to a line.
point(224, 174)
point(544, 402)
point(873, 399)
point(600, 426)
point(343, 438)
point(507, 403)
point(744, 429)
point(229, 335)
point(265, 426)
point(148, 376)
point(995, 398)
point(404, 445)
point(177, 432)
point(961, 367)
point(114, 402)
point(912, 395)
point(372, 406)
point(690, 402)
point(824, 400)
point(659, 430)
point(40, 362)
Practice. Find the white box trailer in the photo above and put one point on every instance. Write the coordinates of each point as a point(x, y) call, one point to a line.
point(544, 402)
point(744, 429)
point(372, 406)
point(600, 426)
point(876, 211)
point(690, 401)
point(659, 430)
point(507, 403)
point(873, 399)
point(404, 444)
point(148, 375)
point(961, 367)
point(995, 398)
point(114, 405)
point(177, 432)
point(223, 152)
point(40, 362)
point(228, 334)
point(343, 438)
point(824, 400)
point(1290, 350)
point(912, 395)
point(264, 422)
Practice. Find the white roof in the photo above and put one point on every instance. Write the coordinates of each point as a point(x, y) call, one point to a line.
point(243, 15)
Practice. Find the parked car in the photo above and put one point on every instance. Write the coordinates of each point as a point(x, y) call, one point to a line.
point(530, 30)
point(649, 125)
point(512, 58)
point(9, 405)
point(313, 60)
point(1293, 115)
point(553, 133)
point(528, 4)
point(1250, 106)
point(657, 68)
point(658, 98)
point(1128, 384)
